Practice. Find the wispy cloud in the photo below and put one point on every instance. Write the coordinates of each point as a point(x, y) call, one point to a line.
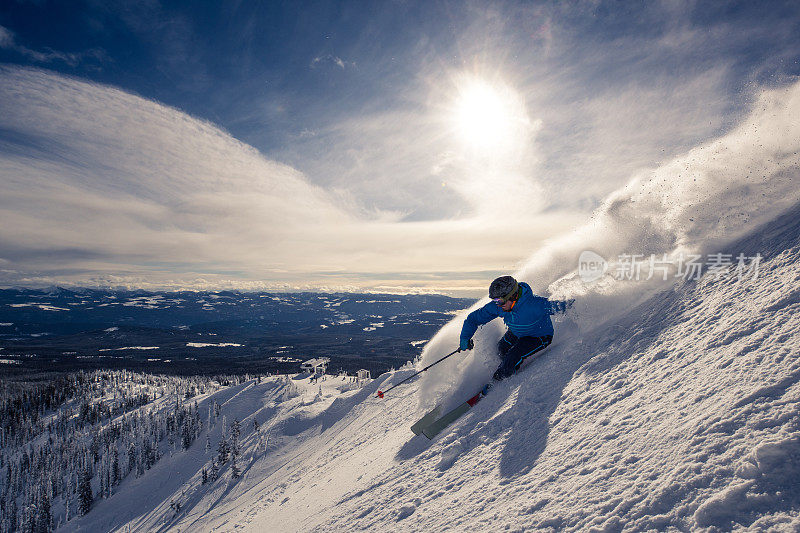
point(613, 91)
point(6, 38)
point(8, 42)
point(331, 60)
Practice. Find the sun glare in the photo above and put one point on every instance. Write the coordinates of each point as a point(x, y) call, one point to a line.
point(485, 117)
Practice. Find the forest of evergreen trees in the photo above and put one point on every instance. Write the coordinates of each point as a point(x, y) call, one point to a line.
point(71, 440)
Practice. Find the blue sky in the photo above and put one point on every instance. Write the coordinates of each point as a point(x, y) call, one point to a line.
point(348, 145)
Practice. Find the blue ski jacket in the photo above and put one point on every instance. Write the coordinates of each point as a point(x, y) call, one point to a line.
point(530, 316)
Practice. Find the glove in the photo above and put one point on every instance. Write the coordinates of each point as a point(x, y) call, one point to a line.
point(559, 306)
point(466, 344)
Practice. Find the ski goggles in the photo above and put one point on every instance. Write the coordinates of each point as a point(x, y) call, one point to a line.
point(507, 298)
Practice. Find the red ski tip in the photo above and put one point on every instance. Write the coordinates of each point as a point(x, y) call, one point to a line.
point(380, 394)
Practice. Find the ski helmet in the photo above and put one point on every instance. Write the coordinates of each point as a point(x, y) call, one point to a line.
point(504, 287)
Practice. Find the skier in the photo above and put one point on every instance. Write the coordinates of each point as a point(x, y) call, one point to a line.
point(527, 317)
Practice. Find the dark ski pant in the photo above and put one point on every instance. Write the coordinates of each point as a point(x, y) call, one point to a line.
point(513, 350)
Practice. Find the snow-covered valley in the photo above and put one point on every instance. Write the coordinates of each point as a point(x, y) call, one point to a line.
point(684, 413)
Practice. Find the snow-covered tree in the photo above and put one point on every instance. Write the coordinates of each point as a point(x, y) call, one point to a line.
point(236, 431)
point(44, 520)
point(235, 472)
point(85, 495)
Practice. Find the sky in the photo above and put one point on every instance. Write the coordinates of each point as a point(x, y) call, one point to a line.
point(358, 146)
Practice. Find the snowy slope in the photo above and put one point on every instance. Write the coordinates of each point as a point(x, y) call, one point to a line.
point(683, 413)
point(662, 404)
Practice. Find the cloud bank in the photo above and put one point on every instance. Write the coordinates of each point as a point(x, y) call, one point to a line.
point(100, 186)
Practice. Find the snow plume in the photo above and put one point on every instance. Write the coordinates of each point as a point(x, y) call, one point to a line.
point(695, 204)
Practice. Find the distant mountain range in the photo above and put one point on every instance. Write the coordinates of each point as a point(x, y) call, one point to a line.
point(214, 332)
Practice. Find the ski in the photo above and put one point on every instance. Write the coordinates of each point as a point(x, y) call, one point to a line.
point(420, 424)
point(435, 427)
point(431, 424)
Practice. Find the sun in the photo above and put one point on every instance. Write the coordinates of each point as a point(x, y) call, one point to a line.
point(484, 116)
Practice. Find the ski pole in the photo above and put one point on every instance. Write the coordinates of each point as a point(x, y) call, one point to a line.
point(381, 393)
